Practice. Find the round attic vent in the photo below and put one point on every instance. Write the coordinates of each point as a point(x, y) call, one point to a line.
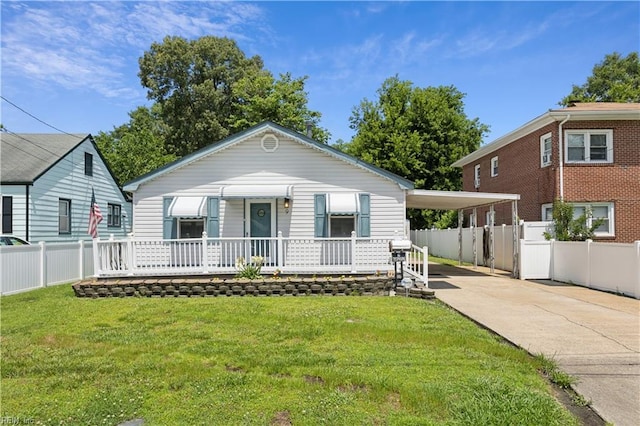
point(269, 142)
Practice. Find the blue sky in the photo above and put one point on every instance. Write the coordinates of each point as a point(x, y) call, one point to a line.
point(74, 64)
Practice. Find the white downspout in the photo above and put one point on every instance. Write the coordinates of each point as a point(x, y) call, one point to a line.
point(561, 156)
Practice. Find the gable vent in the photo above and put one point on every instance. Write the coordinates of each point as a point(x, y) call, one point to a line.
point(269, 142)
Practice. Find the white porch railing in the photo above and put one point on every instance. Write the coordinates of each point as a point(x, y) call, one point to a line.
point(136, 257)
point(417, 263)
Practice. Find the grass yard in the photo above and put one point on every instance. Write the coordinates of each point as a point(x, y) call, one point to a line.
point(261, 361)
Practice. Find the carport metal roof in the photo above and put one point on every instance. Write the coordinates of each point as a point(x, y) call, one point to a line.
point(455, 200)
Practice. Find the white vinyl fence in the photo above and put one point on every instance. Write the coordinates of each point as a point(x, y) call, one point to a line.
point(28, 267)
point(603, 266)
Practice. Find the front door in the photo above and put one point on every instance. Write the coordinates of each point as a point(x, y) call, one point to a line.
point(260, 229)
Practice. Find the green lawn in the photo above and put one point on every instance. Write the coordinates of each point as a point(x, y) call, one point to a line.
point(280, 360)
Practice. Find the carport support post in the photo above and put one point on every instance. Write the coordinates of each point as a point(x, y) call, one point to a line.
point(492, 221)
point(515, 222)
point(460, 217)
point(473, 225)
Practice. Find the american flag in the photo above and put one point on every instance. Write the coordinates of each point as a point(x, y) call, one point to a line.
point(95, 217)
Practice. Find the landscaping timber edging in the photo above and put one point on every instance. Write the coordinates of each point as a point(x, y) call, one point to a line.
point(213, 287)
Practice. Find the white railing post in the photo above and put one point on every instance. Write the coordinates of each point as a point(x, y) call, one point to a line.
point(96, 258)
point(130, 255)
point(425, 266)
point(205, 260)
point(43, 264)
point(81, 259)
point(280, 251)
point(353, 252)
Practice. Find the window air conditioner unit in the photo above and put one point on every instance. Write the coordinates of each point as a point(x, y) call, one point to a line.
point(546, 158)
point(476, 183)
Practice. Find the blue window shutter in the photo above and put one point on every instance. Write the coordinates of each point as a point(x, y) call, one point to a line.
point(364, 218)
point(213, 217)
point(169, 225)
point(320, 215)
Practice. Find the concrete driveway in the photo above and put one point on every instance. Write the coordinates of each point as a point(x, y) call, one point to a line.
point(592, 335)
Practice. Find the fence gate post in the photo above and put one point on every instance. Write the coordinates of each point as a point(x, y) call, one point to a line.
point(588, 283)
point(43, 264)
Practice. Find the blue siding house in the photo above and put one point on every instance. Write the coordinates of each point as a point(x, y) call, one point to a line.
point(46, 182)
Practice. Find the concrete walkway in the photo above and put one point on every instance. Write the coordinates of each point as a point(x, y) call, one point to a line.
point(592, 335)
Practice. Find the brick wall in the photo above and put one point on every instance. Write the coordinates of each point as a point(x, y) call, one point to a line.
point(520, 172)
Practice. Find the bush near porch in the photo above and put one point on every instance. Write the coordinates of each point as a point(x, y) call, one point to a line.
point(239, 360)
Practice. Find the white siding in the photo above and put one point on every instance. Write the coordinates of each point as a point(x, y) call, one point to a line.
point(309, 170)
point(18, 194)
point(66, 179)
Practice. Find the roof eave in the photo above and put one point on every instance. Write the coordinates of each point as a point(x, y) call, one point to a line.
point(541, 121)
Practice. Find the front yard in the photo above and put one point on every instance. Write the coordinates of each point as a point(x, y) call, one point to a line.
point(264, 361)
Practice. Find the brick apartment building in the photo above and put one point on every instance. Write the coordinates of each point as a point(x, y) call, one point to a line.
point(587, 154)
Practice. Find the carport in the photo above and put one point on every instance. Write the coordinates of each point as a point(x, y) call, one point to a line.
point(461, 201)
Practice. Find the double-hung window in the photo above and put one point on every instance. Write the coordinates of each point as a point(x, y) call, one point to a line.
point(476, 176)
point(595, 211)
point(494, 166)
point(64, 216)
point(589, 146)
point(114, 214)
point(545, 150)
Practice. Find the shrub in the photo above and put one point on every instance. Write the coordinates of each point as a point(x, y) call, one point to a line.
point(249, 270)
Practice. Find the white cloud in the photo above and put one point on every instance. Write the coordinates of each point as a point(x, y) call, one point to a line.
point(95, 45)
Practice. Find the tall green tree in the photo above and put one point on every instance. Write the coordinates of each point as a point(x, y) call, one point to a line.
point(207, 89)
point(416, 133)
point(137, 147)
point(615, 79)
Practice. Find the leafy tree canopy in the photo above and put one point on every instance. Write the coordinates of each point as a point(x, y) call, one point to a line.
point(615, 79)
point(416, 133)
point(207, 89)
point(137, 147)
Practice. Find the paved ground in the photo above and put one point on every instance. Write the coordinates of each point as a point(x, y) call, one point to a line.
point(592, 335)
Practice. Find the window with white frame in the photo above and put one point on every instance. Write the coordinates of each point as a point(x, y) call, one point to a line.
point(341, 226)
point(596, 211)
point(589, 146)
point(476, 176)
point(64, 216)
point(494, 166)
point(545, 150)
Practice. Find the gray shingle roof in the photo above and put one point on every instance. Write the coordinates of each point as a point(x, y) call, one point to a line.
point(26, 156)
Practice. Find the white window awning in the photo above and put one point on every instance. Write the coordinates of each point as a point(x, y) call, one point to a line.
point(256, 191)
point(188, 207)
point(342, 204)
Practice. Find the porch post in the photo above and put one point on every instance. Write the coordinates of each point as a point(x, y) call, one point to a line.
point(492, 221)
point(353, 252)
point(460, 217)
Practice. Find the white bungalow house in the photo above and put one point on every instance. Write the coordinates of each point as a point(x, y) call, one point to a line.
point(46, 182)
point(301, 205)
